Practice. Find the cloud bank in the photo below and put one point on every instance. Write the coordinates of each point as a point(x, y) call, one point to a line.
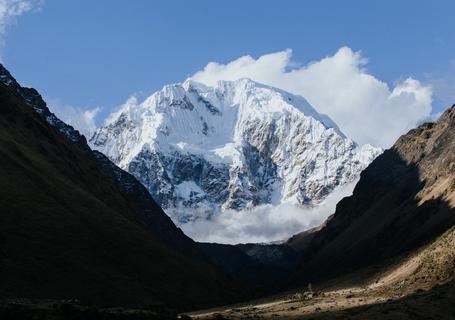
point(365, 108)
point(261, 224)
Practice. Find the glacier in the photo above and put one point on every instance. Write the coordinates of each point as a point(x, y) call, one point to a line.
point(201, 150)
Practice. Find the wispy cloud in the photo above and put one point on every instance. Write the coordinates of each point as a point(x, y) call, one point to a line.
point(11, 9)
point(364, 107)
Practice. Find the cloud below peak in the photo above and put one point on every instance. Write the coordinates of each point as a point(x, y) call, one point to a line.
point(364, 107)
point(265, 223)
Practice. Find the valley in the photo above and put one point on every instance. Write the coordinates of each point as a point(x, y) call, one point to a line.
point(89, 229)
point(237, 160)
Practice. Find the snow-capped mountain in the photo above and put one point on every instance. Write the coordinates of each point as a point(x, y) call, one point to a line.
point(232, 146)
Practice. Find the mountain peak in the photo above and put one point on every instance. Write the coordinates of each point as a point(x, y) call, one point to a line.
point(234, 145)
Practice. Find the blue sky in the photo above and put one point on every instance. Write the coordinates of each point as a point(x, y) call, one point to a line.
point(97, 53)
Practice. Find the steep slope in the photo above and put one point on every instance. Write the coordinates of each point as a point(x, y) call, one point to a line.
point(233, 146)
point(74, 226)
point(404, 199)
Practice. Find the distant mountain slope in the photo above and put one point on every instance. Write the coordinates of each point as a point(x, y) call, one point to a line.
point(74, 226)
point(260, 266)
point(232, 146)
point(404, 199)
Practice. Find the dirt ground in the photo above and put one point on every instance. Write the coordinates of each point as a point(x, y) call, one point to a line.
point(351, 303)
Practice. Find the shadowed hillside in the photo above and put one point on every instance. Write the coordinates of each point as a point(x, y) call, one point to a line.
point(403, 200)
point(73, 226)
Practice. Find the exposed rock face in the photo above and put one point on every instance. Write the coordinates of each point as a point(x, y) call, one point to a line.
point(233, 146)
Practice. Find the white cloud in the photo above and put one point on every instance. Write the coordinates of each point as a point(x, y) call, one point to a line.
point(11, 9)
point(260, 224)
point(81, 119)
point(365, 108)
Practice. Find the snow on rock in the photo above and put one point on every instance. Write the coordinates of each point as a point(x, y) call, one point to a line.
point(236, 145)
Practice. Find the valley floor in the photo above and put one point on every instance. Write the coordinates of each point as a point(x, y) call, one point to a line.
point(349, 303)
point(420, 285)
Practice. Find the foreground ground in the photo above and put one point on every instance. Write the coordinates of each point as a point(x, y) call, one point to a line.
point(353, 303)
